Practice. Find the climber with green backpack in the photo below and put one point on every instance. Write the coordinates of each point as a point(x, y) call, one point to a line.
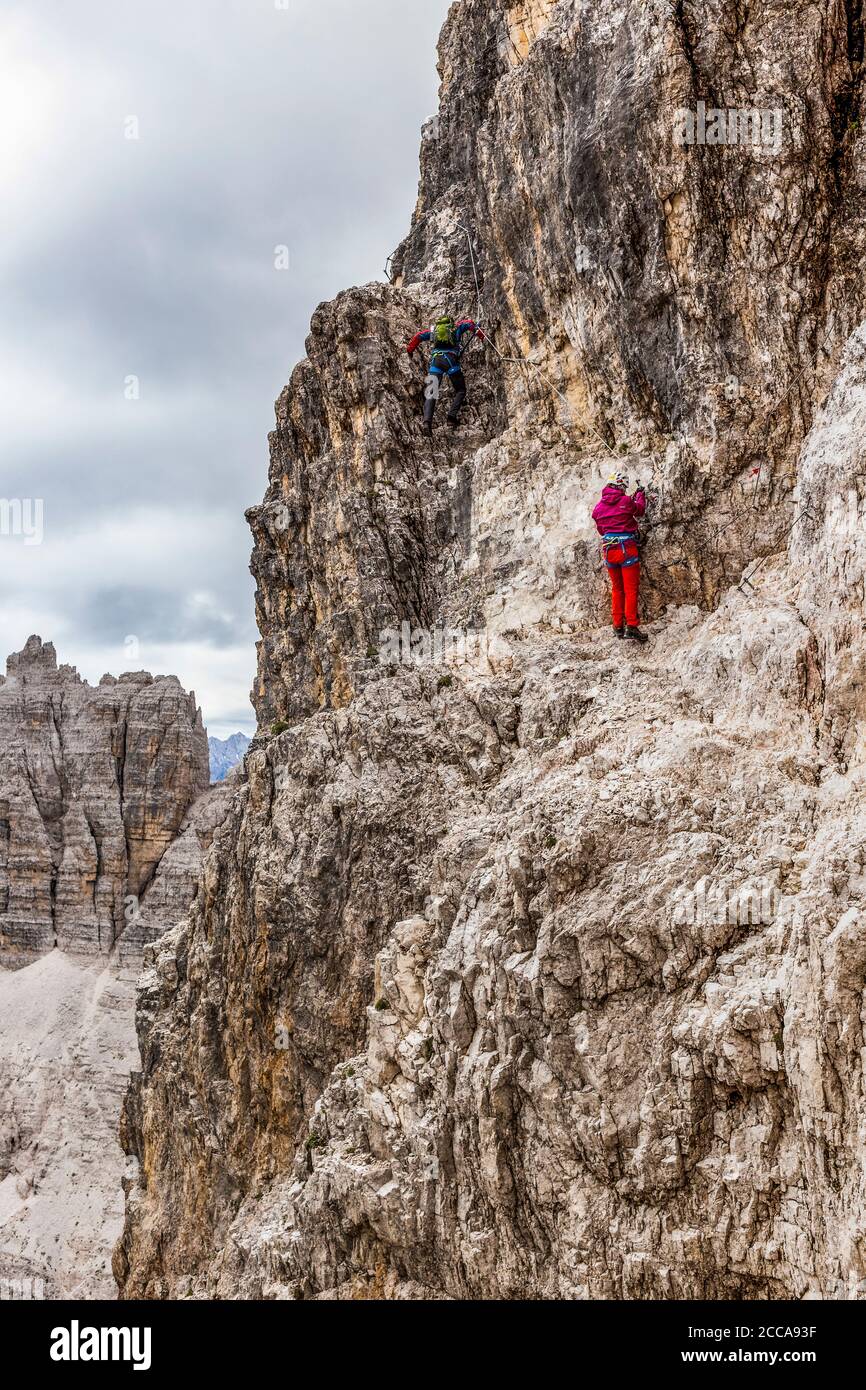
point(446, 338)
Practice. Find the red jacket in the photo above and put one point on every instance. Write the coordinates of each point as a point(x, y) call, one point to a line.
point(617, 511)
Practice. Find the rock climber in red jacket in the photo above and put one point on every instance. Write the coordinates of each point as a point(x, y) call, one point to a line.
point(617, 516)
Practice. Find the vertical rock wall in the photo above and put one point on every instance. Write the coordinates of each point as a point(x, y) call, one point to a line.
point(536, 968)
point(105, 815)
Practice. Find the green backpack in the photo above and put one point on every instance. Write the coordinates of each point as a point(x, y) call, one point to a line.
point(443, 333)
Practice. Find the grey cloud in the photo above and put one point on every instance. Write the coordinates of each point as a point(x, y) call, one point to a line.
point(160, 616)
point(258, 127)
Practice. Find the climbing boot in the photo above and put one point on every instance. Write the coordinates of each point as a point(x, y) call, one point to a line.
point(453, 421)
point(636, 635)
point(427, 428)
point(620, 631)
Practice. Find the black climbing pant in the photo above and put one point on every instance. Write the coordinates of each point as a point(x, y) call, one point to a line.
point(458, 387)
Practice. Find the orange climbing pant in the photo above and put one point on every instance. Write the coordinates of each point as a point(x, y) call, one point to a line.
point(624, 570)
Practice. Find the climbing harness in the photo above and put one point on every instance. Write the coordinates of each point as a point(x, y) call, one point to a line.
point(441, 361)
point(627, 542)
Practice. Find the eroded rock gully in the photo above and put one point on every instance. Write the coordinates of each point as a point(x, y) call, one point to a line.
point(538, 972)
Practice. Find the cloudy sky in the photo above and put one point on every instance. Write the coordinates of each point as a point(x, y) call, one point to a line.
point(152, 159)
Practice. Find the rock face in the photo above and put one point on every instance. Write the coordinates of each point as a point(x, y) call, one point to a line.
point(226, 753)
point(100, 852)
point(94, 785)
point(527, 963)
point(176, 881)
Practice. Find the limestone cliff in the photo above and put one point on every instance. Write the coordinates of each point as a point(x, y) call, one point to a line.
point(100, 852)
point(94, 784)
point(534, 966)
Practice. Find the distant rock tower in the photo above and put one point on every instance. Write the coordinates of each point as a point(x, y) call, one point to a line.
point(94, 787)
